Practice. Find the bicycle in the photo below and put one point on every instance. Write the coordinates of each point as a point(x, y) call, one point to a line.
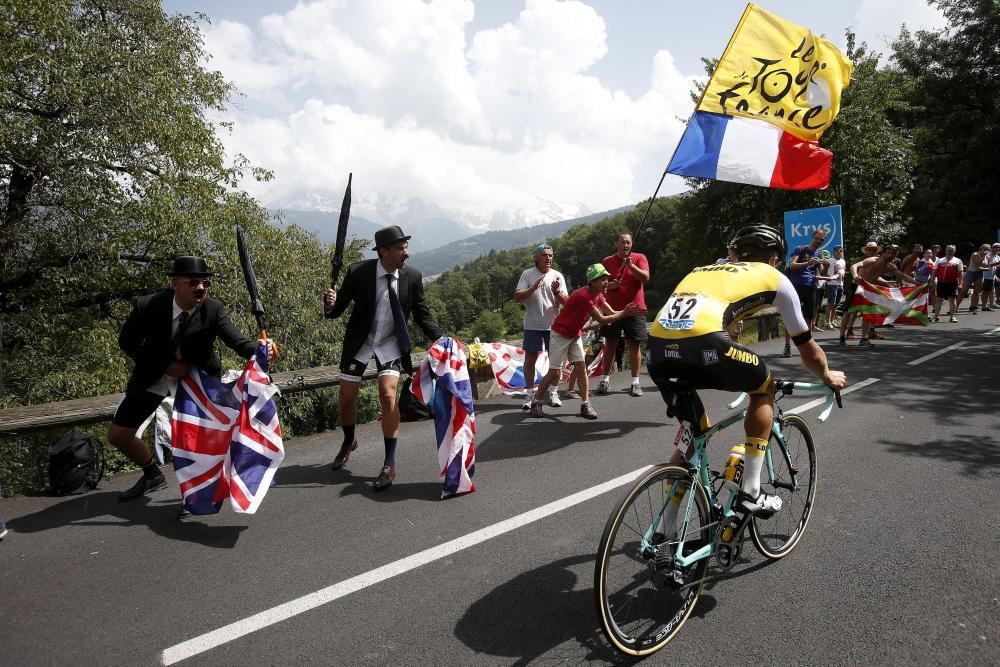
point(652, 562)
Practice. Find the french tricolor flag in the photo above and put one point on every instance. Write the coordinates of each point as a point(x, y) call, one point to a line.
point(746, 150)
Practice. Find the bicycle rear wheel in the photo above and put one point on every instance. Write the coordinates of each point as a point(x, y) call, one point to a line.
point(793, 464)
point(640, 603)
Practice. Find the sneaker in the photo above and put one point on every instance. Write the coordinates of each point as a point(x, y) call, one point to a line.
point(527, 404)
point(573, 394)
point(554, 399)
point(937, 319)
point(3, 533)
point(953, 319)
point(587, 411)
point(974, 311)
point(763, 506)
point(536, 409)
point(874, 335)
point(787, 352)
point(603, 387)
point(832, 325)
point(987, 309)
point(636, 390)
point(864, 342)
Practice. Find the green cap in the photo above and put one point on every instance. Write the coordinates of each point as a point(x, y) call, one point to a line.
point(595, 271)
point(824, 254)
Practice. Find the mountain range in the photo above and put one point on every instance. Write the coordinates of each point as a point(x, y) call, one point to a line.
point(441, 239)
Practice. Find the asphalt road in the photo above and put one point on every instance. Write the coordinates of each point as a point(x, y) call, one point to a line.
point(895, 567)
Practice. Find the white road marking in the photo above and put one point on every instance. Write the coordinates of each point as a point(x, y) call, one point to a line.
point(798, 409)
point(210, 640)
point(917, 362)
point(991, 332)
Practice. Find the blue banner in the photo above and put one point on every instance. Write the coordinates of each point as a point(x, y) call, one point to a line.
point(800, 225)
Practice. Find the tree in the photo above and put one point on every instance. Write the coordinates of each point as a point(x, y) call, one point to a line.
point(955, 122)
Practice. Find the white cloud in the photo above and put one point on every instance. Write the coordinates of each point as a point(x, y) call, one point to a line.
point(878, 21)
point(393, 91)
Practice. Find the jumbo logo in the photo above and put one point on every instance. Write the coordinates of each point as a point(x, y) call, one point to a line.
point(743, 356)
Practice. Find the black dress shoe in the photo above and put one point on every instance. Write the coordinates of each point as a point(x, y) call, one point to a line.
point(384, 479)
point(143, 486)
point(183, 513)
point(345, 453)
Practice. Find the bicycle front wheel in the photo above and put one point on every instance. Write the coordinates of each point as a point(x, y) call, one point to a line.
point(791, 475)
point(643, 597)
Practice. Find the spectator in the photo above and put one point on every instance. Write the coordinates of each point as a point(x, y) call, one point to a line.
point(988, 295)
point(3, 526)
point(947, 271)
point(820, 291)
point(978, 264)
point(385, 292)
point(168, 333)
point(923, 268)
point(542, 290)
point(629, 272)
point(834, 274)
point(870, 249)
point(567, 330)
point(802, 273)
point(872, 270)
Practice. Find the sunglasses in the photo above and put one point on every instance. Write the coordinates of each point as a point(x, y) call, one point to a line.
point(194, 282)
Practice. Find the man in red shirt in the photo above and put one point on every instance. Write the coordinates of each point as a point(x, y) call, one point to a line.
point(629, 272)
point(567, 329)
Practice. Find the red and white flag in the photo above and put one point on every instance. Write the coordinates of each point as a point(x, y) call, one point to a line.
point(891, 305)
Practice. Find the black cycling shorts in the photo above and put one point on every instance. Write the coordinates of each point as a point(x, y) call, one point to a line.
point(710, 361)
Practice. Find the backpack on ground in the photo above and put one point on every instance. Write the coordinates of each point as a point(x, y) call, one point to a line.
point(76, 461)
point(410, 409)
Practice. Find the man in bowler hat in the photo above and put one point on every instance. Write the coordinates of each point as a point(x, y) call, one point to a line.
point(385, 292)
point(167, 334)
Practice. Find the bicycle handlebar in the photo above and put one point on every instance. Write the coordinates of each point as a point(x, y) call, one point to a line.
point(787, 387)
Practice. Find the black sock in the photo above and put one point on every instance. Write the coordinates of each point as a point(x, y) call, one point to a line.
point(348, 433)
point(390, 452)
point(151, 469)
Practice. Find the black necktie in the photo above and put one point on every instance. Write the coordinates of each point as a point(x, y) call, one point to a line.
point(182, 322)
point(398, 319)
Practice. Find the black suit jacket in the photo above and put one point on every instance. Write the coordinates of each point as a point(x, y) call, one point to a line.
point(146, 338)
point(359, 288)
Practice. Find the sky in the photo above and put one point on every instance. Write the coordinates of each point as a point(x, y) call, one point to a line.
point(500, 112)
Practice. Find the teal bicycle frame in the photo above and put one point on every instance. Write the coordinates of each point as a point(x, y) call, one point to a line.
point(698, 463)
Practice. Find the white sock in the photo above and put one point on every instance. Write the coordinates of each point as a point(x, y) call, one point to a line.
point(606, 378)
point(635, 381)
point(753, 463)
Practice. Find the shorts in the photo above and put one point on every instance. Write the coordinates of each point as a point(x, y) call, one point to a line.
point(564, 349)
point(634, 328)
point(973, 276)
point(354, 371)
point(805, 293)
point(947, 290)
point(709, 361)
point(818, 295)
point(136, 408)
point(987, 286)
point(534, 340)
point(834, 293)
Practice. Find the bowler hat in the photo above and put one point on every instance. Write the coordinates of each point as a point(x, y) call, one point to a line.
point(388, 235)
point(187, 265)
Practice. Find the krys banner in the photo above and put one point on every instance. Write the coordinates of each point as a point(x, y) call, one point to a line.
point(800, 225)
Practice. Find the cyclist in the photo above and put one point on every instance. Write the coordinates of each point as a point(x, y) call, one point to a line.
point(689, 341)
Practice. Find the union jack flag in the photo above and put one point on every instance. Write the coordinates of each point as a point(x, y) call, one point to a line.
point(443, 378)
point(226, 438)
point(507, 362)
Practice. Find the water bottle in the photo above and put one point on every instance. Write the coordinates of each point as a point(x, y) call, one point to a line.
point(733, 474)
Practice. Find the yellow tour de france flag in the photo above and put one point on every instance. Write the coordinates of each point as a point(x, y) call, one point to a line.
point(777, 71)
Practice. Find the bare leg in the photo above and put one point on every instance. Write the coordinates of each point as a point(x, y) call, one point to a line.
point(529, 370)
point(347, 402)
point(123, 439)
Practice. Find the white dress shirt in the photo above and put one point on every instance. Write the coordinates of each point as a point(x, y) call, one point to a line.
point(167, 385)
point(382, 337)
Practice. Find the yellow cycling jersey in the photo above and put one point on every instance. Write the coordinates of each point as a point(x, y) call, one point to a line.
point(710, 298)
